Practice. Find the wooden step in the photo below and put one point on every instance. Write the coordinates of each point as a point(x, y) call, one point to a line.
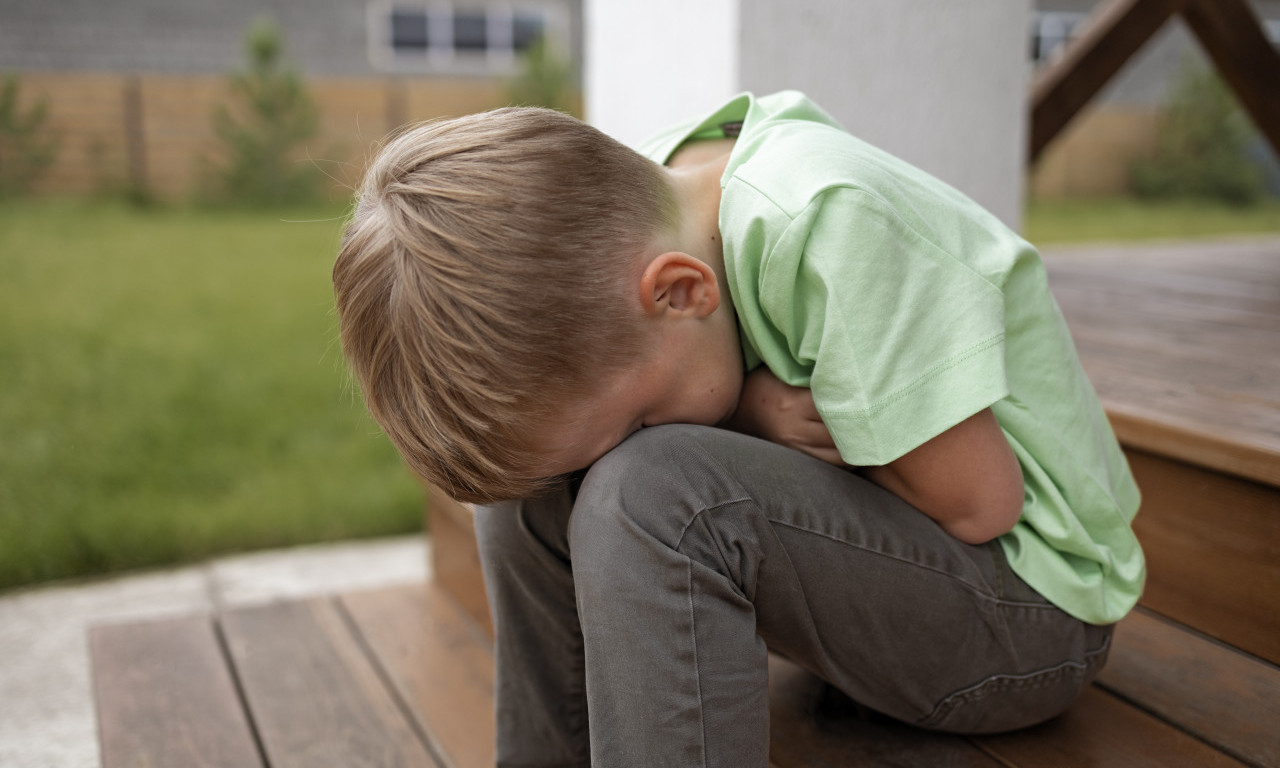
point(166, 696)
point(1169, 696)
point(397, 678)
point(1182, 343)
point(404, 677)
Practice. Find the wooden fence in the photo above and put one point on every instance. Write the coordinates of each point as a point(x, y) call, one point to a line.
point(152, 131)
point(117, 131)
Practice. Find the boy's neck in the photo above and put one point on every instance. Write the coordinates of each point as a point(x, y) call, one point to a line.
point(695, 172)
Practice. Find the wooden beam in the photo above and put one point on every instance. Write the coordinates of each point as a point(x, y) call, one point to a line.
point(1114, 32)
point(1232, 36)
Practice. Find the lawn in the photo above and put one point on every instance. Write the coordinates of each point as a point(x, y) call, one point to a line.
point(1063, 221)
point(171, 388)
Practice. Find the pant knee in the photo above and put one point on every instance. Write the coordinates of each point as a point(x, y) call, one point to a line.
point(647, 490)
point(630, 480)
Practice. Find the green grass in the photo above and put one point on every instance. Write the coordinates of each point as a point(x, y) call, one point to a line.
point(171, 388)
point(1064, 221)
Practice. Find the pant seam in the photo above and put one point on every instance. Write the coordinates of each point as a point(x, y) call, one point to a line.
point(697, 670)
point(679, 542)
point(1028, 680)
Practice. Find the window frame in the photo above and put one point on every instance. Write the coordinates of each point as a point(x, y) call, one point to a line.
point(442, 55)
point(1069, 22)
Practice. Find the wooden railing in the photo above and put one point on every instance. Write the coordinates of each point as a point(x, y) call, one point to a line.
point(1228, 29)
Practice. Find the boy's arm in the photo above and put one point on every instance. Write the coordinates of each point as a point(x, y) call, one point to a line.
point(967, 478)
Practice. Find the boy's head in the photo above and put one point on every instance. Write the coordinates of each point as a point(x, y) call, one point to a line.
point(481, 287)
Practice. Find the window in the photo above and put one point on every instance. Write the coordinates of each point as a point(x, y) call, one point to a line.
point(430, 36)
point(1050, 31)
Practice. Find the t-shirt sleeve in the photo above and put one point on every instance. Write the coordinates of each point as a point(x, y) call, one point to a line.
point(898, 340)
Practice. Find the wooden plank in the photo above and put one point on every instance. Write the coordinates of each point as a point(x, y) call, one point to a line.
point(1232, 35)
point(811, 724)
point(165, 696)
point(1114, 31)
point(455, 557)
point(440, 662)
point(1213, 552)
point(314, 695)
point(1226, 698)
point(1182, 343)
point(1101, 730)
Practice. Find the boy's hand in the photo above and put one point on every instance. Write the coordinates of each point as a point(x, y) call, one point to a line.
point(783, 414)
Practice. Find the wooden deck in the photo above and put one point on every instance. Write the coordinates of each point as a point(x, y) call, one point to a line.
point(1182, 343)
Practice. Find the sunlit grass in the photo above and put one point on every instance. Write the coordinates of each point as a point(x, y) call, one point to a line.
point(171, 388)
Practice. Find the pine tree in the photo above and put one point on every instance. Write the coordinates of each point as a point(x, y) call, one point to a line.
point(27, 147)
point(270, 119)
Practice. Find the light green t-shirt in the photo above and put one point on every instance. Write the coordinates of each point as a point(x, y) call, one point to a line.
point(906, 308)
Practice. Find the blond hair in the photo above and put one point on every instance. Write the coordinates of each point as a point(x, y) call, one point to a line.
point(480, 286)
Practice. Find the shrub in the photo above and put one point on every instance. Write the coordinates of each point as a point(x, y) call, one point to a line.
point(271, 117)
point(545, 80)
point(1201, 146)
point(27, 148)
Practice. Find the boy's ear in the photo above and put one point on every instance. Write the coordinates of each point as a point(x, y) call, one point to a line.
point(679, 283)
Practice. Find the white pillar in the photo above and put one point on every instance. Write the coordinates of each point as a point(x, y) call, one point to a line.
point(650, 63)
point(940, 83)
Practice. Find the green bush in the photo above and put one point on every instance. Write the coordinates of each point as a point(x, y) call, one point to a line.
point(26, 146)
point(1201, 147)
point(545, 80)
point(271, 118)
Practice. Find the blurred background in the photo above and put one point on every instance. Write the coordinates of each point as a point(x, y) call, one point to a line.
point(174, 174)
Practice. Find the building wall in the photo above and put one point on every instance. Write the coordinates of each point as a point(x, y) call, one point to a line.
point(324, 38)
point(117, 128)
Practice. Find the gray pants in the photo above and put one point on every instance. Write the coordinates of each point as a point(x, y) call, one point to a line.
point(634, 612)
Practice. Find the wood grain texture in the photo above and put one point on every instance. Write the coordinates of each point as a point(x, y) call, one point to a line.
point(1226, 698)
point(441, 663)
point(1213, 552)
point(456, 557)
point(1101, 730)
point(165, 697)
point(1182, 343)
point(811, 724)
point(316, 698)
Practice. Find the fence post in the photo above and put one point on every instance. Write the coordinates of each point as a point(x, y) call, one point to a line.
point(135, 139)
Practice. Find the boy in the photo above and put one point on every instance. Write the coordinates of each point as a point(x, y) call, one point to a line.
point(936, 523)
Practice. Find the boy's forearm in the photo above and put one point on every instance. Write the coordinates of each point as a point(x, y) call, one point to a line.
point(967, 479)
